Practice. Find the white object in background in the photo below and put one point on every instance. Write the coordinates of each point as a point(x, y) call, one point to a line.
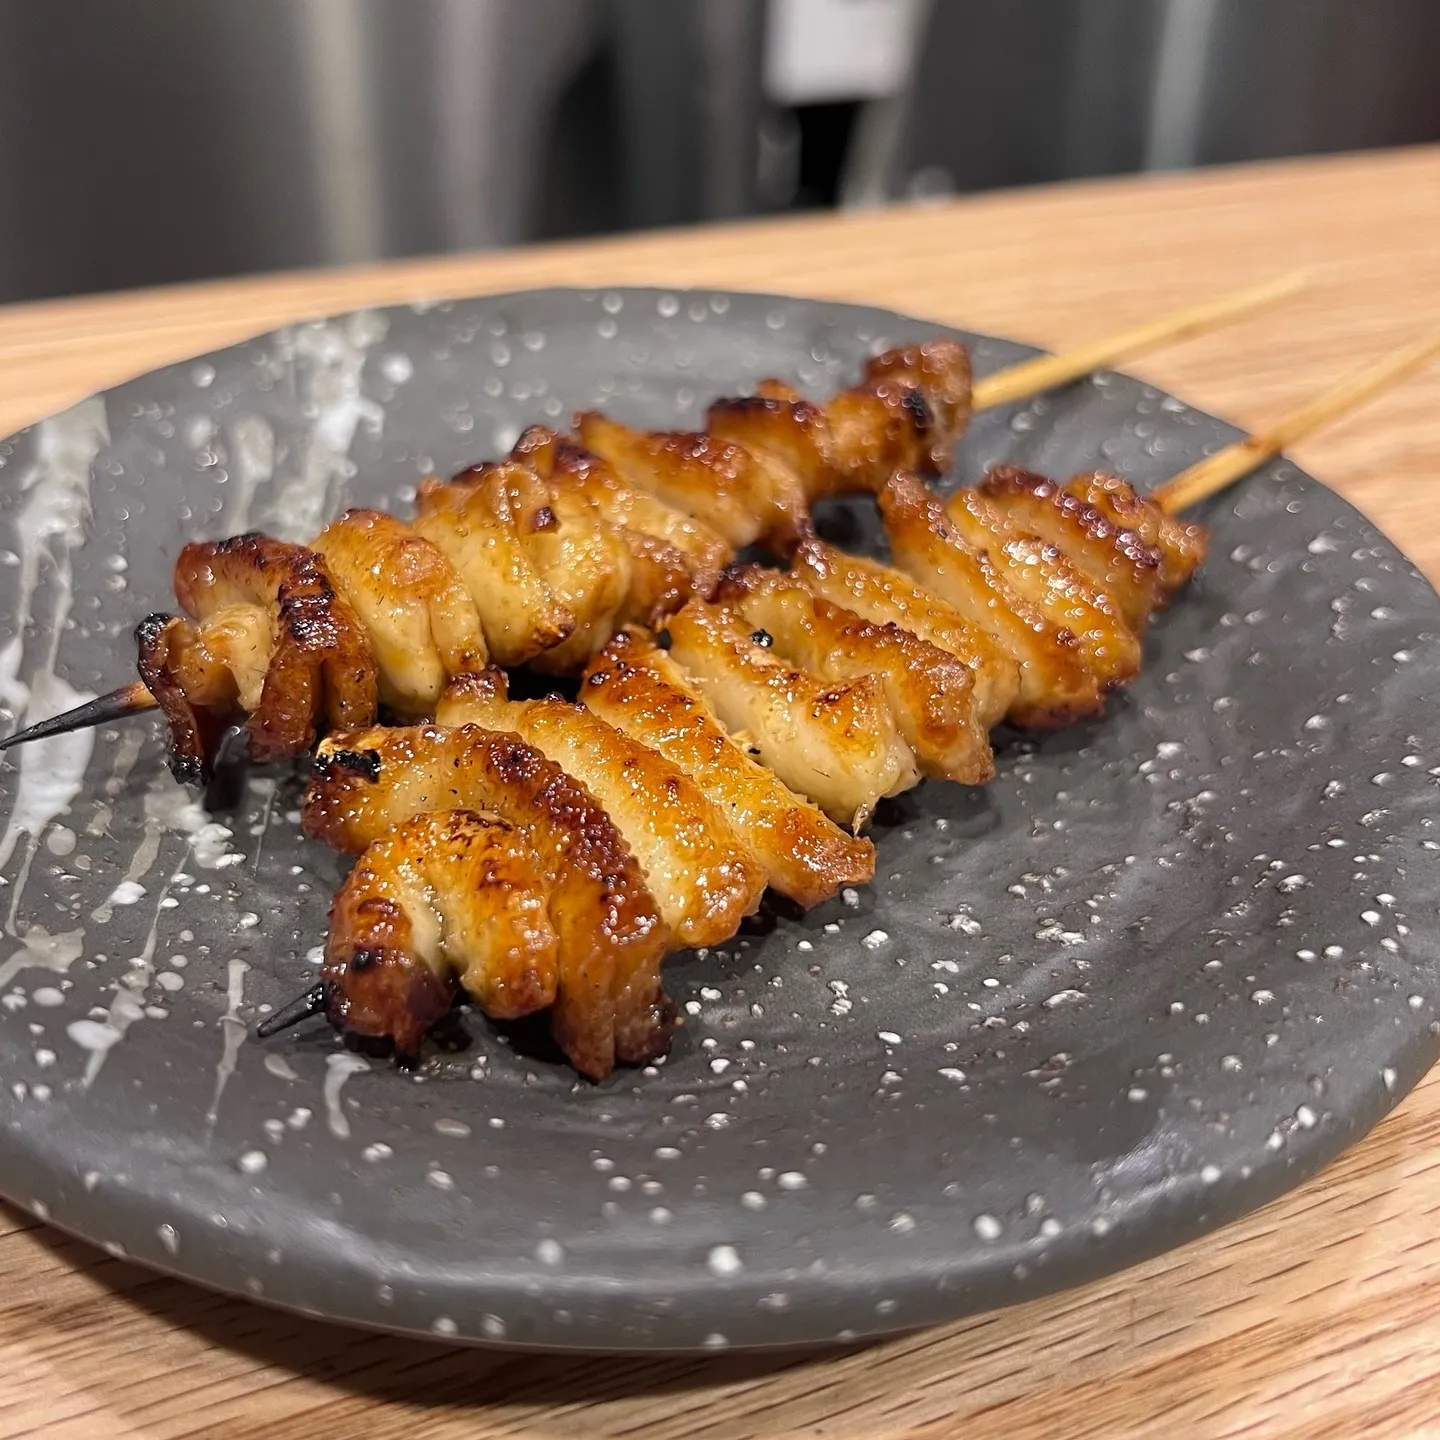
point(817, 50)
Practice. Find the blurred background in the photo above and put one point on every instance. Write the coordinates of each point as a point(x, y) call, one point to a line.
point(145, 141)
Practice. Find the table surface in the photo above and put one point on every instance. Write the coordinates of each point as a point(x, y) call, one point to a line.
point(1315, 1317)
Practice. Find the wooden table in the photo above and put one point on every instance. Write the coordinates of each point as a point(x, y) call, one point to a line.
point(1317, 1317)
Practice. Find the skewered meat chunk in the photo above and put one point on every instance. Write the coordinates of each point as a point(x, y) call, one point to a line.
point(886, 596)
point(422, 624)
point(484, 522)
point(444, 900)
point(907, 411)
point(1181, 543)
point(569, 469)
point(641, 691)
point(609, 1005)
point(698, 868)
point(1113, 558)
point(930, 692)
point(1044, 575)
point(1057, 687)
point(837, 744)
point(721, 484)
point(269, 637)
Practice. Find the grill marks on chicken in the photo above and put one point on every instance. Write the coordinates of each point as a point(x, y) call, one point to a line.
point(608, 1004)
point(704, 878)
point(268, 637)
point(643, 692)
point(929, 691)
point(911, 405)
point(443, 901)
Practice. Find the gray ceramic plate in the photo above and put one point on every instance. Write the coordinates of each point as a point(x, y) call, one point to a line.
point(1163, 968)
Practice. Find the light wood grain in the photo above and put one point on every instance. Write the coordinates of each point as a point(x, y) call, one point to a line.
point(1315, 1319)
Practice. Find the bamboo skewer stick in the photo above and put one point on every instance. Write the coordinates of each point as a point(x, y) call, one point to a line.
point(1048, 372)
point(1214, 473)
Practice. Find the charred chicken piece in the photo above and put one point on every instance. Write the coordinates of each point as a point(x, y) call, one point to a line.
point(609, 1005)
point(910, 406)
point(444, 901)
point(422, 624)
point(268, 638)
point(1112, 557)
point(930, 692)
point(484, 521)
point(888, 597)
point(721, 484)
point(646, 521)
point(696, 864)
point(644, 693)
point(1057, 588)
point(1181, 543)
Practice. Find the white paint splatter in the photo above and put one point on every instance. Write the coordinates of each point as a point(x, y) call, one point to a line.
point(233, 1029)
point(127, 1005)
point(43, 951)
point(329, 358)
point(252, 463)
point(339, 1069)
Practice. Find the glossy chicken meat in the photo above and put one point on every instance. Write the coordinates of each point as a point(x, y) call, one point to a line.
point(703, 876)
point(608, 1005)
point(269, 639)
point(642, 691)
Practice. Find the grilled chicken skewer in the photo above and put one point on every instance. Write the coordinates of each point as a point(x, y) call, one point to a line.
point(1102, 543)
point(486, 866)
point(907, 410)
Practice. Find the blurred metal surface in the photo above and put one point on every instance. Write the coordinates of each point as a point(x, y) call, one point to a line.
point(1037, 90)
point(158, 140)
point(144, 141)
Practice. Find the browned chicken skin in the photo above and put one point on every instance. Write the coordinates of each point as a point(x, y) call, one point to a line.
point(608, 1004)
point(270, 638)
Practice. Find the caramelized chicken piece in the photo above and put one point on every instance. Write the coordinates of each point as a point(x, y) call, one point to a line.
point(1181, 543)
point(640, 690)
point(1045, 576)
point(702, 876)
point(446, 898)
point(609, 1005)
point(270, 638)
point(566, 468)
point(1114, 559)
point(910, 406)
point(1057, 687)
point(888, 597)
point(422, 624)
point(720, 484)
point(837, 744)
point(484, 521)
point(930, 692)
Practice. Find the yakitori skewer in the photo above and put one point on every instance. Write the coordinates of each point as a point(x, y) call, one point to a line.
point(697, 499)
point(695, 775)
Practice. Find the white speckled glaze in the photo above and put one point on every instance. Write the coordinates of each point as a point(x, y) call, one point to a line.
point(1160, 970)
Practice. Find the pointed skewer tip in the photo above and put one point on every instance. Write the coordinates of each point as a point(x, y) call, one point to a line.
point(132, 699)
point(302, 1007)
